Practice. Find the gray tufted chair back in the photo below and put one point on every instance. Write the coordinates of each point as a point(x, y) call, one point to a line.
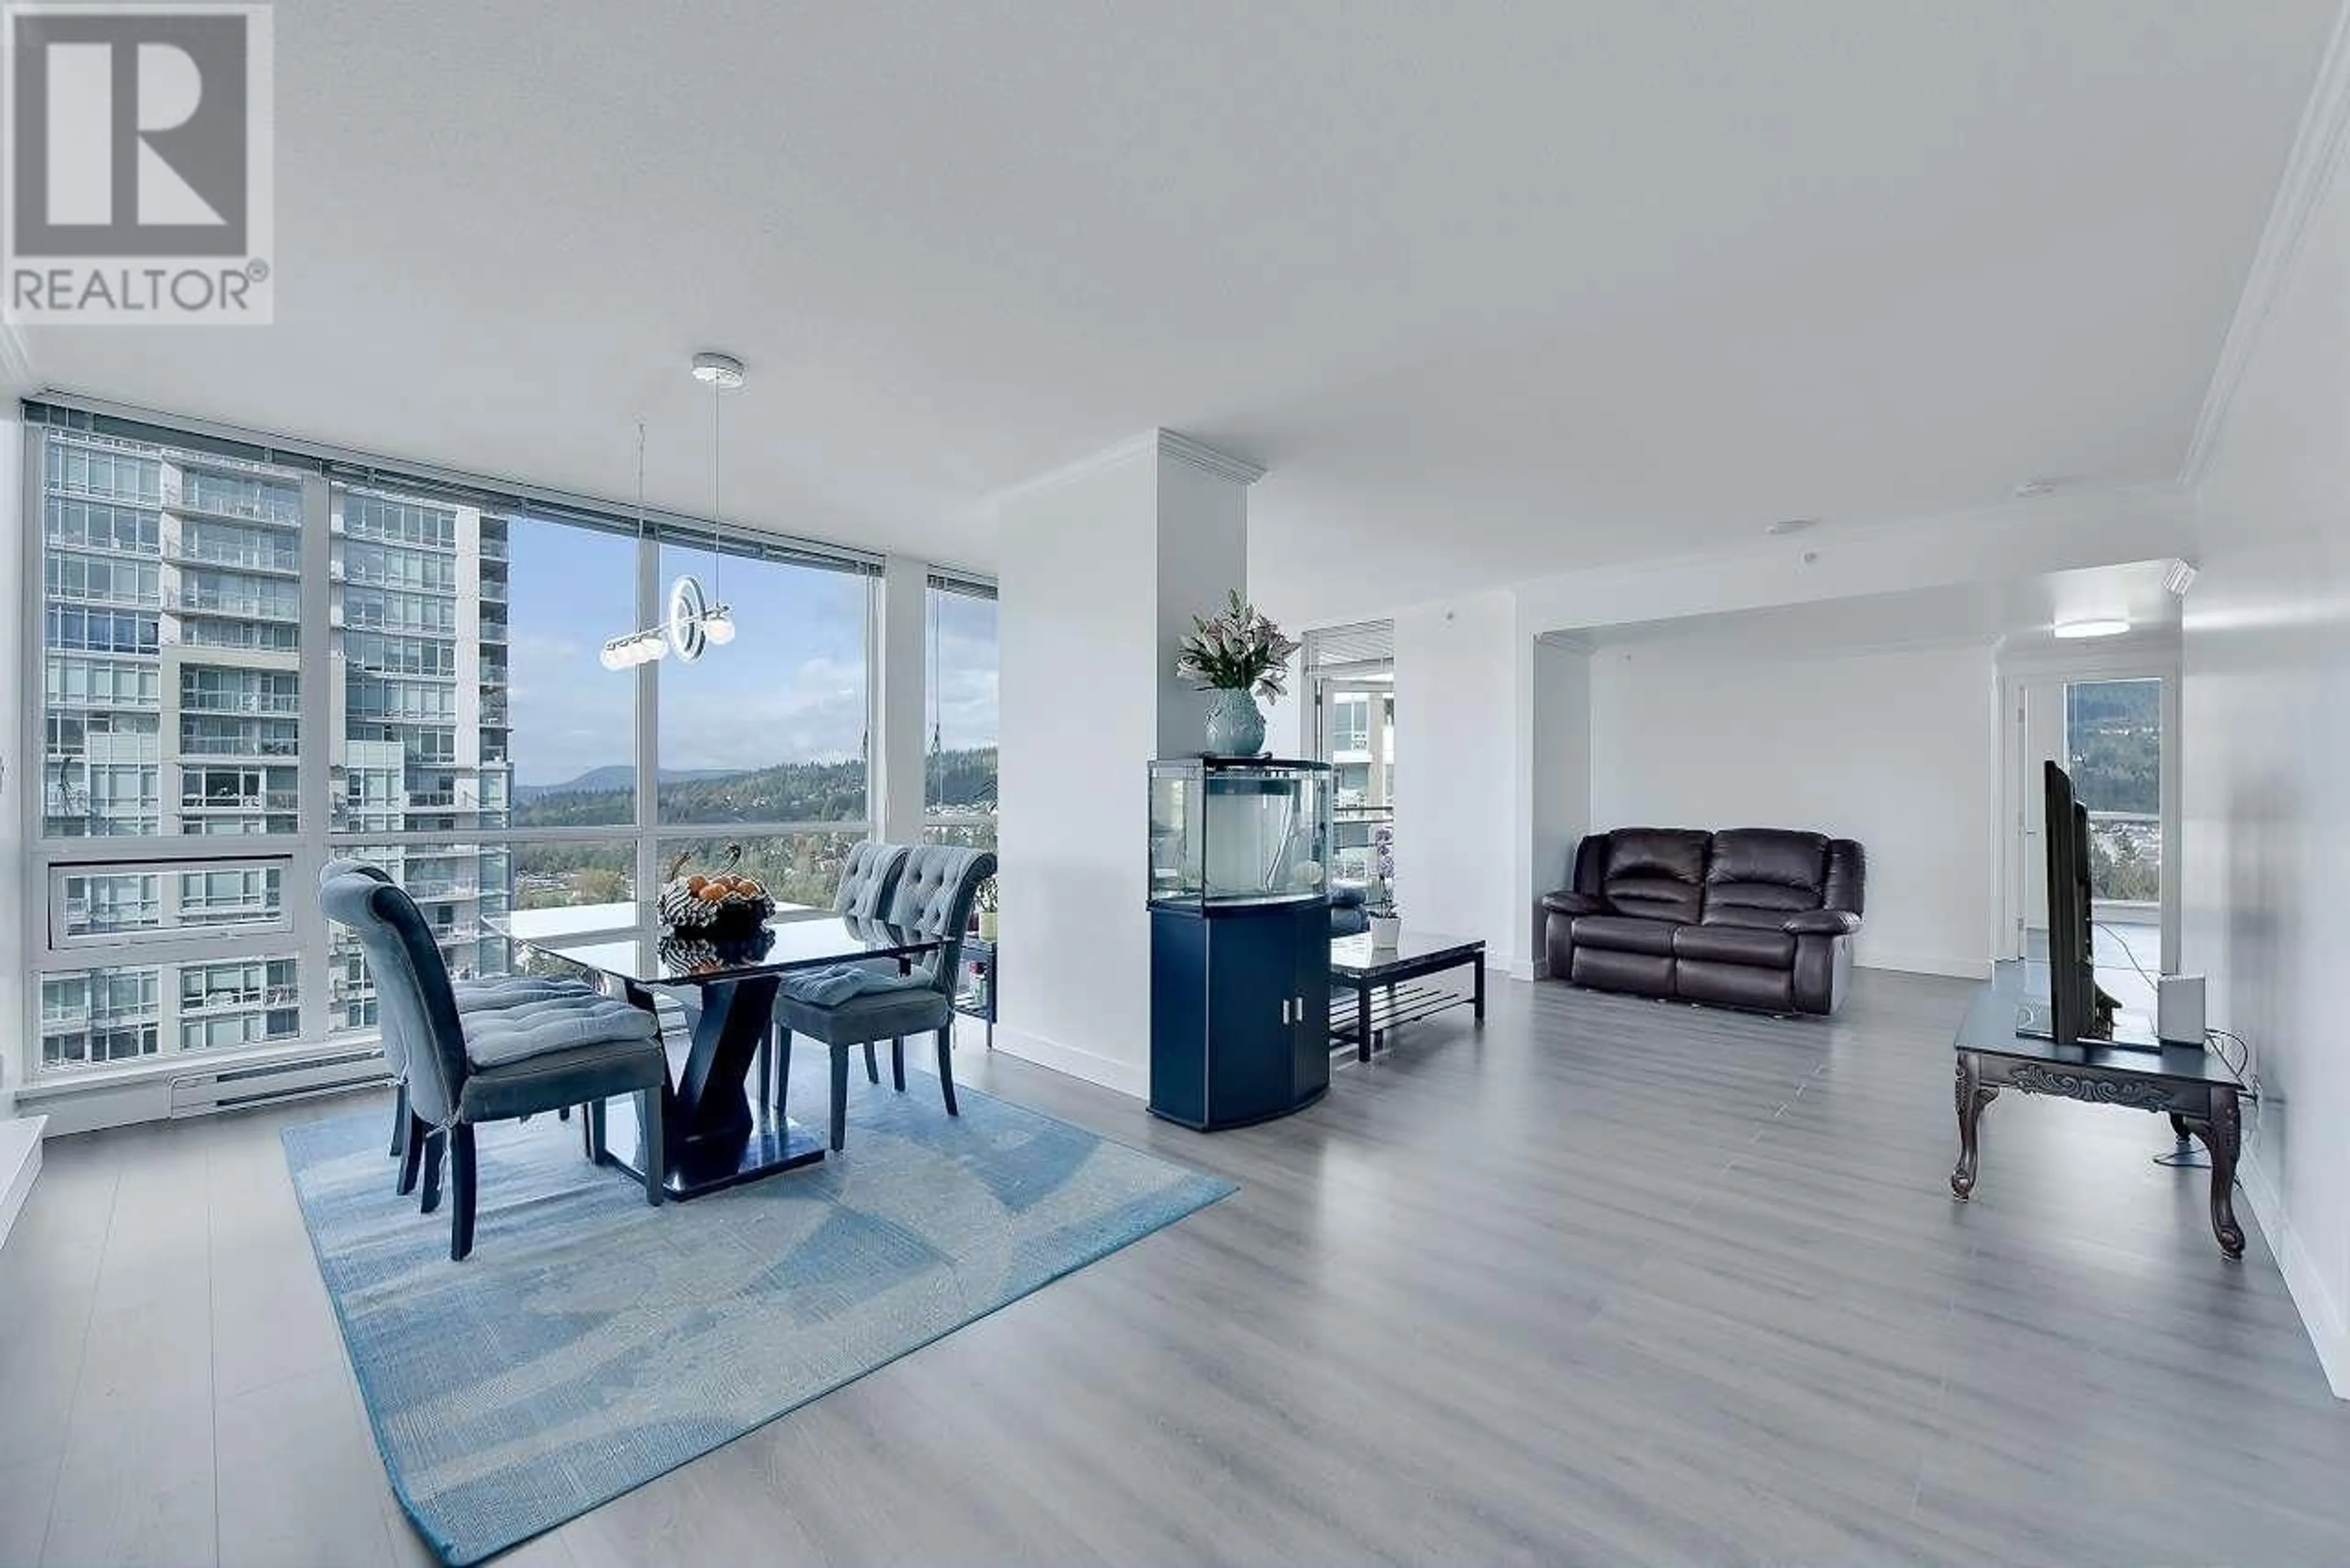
point(411, 984)
point(934, 897)
point(868, 880)
point(347, 864)
point(395, 1049)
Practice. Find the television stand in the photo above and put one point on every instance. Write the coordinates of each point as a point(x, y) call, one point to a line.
point(2037, 1020)
point(2186, 1083)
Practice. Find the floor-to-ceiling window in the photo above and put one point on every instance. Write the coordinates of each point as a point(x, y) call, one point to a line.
point(958, 772)
point(253, 658)
point(763, 744)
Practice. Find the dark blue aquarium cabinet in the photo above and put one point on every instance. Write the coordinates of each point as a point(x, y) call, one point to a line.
point(1240, 938)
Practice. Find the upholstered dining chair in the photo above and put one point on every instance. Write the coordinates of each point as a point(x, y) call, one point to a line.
point(868, 880)
point(932, 898)
point(493, 1064)
point(472, 995)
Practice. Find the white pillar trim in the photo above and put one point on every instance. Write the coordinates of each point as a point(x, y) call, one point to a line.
point(901, 745)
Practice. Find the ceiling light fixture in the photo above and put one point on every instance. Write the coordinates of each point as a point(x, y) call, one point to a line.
point(632, 648)
point(2179, 577)
point(2031, 489)
point(1786, 525)
point(696, 619)
point(2103, 626)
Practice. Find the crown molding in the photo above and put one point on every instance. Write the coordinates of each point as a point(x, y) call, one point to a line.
point(1201, 456)
point(1164, 443)
point(2318, 148)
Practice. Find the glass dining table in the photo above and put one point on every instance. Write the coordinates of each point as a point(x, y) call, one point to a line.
point(713, 1137)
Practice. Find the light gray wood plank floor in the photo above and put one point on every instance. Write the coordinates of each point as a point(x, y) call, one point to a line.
point(1607, 1282)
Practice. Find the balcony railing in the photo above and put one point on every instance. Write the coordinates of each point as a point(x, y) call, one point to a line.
point(277, 512)
point(230, 604)
point(283, 804)
point(201, 702)
point(288, 562)
point(206, 1004)
point(493, 549)
point(90, 543)
point(237, 748)
point(132, 597)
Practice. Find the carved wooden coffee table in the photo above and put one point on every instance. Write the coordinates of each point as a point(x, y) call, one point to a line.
point(2188, 1083)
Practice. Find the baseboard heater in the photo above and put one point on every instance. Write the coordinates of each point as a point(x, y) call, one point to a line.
point(265, 1083)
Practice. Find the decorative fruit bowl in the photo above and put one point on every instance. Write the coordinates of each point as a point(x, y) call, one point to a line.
point(714, 904)
point(689, 953)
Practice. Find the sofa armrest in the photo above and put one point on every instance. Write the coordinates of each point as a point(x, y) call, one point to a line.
point(1569, 902)
point(1821, 923)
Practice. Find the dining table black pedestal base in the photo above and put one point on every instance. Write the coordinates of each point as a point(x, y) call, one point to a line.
point(712, 1164)
point(715, 1134)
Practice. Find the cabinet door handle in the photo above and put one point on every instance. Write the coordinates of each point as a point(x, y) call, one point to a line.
point(1284, 1010)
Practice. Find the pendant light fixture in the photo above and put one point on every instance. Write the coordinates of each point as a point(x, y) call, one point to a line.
point(696, 619)
point(632, 648)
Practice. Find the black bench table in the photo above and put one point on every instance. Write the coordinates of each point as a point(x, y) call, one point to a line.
point(1381, 980)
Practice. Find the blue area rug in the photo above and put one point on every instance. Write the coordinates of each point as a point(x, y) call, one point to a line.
point(592, 1342)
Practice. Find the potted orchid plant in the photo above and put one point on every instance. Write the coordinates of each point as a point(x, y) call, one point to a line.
point(1240, 656)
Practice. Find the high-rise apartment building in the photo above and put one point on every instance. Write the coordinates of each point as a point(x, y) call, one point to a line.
point(173, 671)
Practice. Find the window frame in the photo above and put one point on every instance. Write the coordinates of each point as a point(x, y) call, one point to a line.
point(298, 855)
point(971, 586)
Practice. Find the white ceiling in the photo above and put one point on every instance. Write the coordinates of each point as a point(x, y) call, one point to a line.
point(2019, 615)
point(1493, 290)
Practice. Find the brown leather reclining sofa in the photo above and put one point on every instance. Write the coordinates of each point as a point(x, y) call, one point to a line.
point(1751, 917)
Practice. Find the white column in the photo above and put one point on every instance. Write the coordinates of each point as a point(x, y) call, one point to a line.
point(1102, 565)
point(901, 737)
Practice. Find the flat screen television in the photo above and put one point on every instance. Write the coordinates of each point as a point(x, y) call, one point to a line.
point(2078, 1009)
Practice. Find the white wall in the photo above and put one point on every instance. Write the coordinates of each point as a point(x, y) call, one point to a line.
point(1078, 721)
point(1556, 782)
point(2265, 726)
point(1458, 752)
point(1099, 568)
point(1894, 748)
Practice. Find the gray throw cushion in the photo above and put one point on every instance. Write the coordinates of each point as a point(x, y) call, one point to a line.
point(513, 990)
point(499, 1035)
point(876, 1015)
point(560, 1079)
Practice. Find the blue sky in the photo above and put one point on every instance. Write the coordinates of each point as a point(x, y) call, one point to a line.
point(790, 687)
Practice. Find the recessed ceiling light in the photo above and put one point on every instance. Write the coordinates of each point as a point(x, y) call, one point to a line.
point(2075, 631)
point(1786, 525)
